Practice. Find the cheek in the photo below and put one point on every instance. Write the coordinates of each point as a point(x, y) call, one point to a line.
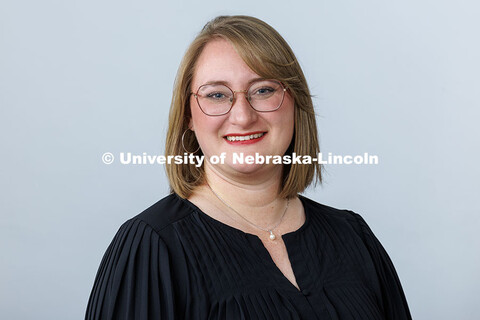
point(195, 113)
point(288, 116)
point(199, 121)
point(206, 128)
point(289, 123)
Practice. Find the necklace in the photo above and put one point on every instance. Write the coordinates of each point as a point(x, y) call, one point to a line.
point(272, 236)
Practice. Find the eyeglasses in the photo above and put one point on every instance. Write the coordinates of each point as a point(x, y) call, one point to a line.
point(216, 99)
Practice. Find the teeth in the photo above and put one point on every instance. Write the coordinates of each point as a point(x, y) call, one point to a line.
point(244, 138)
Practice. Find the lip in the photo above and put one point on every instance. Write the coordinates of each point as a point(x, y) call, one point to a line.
point(251, 141)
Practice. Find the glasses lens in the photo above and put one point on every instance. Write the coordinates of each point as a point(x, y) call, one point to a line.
point(215, 99)
point(266, 95)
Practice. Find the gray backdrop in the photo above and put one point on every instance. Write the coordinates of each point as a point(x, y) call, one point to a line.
point(399, 79)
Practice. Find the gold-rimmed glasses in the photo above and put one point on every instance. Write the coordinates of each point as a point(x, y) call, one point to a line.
point(216, 98)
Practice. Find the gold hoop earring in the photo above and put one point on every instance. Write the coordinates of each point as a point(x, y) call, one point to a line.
point(183, 145)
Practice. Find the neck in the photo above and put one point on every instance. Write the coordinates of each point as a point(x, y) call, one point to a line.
point(256, 199)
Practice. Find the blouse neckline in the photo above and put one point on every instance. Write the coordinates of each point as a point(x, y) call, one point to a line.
point(247, 234)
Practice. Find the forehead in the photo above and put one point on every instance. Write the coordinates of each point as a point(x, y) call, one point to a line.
point(220, 62)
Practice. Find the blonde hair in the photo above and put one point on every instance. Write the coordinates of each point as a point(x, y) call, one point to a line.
point(264, 50)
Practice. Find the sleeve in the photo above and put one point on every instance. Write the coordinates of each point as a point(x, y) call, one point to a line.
point(133, 280)
point(394, 301)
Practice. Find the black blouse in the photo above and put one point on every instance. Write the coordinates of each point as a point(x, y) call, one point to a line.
point(173, 261)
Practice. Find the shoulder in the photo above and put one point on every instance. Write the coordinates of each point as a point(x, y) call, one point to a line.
point(138, 256)
point(342, 220)
point(148, 234)
point(165, 212)
point(317, 209)
point(348, 229)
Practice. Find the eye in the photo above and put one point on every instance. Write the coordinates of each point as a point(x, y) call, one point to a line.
point(264, 91)
point(216, 95)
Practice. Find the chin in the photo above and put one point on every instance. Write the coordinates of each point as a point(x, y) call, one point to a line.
point(247, 169)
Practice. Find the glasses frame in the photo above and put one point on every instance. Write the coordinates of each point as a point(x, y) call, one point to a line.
point(234, 98)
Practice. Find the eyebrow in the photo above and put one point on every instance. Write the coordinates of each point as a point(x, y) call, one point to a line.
point(228, 84)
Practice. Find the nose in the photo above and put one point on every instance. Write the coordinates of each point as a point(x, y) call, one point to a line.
point(242, 113)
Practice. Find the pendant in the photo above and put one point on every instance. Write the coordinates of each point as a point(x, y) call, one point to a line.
point(272, 236)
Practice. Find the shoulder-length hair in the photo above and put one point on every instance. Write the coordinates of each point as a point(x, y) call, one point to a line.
point(264, 50)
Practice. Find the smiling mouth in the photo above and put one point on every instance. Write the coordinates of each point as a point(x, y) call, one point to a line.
point(245, 138)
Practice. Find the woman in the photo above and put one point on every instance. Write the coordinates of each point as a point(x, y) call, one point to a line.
point(234, 240)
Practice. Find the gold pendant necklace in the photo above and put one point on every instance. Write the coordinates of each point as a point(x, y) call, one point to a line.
point(272, 236)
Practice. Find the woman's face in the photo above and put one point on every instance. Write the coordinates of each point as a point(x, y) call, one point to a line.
point(219, 62)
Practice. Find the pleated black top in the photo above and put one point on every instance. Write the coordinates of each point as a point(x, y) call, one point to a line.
point(175, 262)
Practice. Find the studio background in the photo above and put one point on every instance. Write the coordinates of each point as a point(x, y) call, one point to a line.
point(399, 79)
